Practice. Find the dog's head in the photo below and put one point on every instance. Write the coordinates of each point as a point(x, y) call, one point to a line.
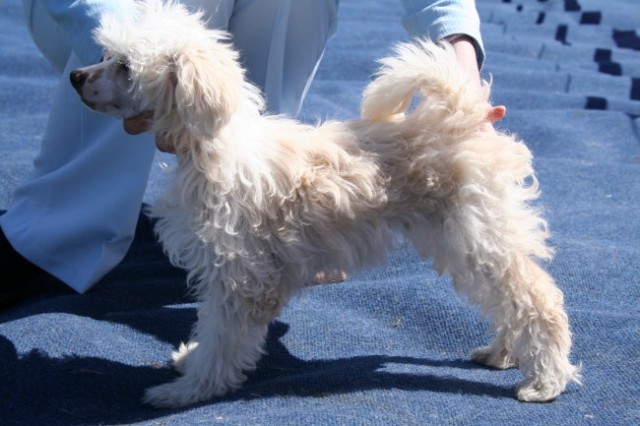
point(164, 59)
point(108, 87)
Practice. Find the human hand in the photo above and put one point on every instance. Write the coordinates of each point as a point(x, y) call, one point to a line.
point(468, 64)
point(496, 113)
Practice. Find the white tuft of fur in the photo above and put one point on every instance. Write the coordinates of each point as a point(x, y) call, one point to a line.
point(259, 204)
point(402, 75)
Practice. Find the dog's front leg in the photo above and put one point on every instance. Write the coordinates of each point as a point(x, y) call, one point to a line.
point(224, 346)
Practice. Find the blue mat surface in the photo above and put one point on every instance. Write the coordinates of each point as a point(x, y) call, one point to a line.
point(390, 346)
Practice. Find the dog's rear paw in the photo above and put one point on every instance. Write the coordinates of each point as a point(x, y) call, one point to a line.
point(546, 387)
point(537, 390)
point(487, 355)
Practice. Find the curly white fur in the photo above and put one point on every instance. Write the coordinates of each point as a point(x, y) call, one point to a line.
point(261, 203)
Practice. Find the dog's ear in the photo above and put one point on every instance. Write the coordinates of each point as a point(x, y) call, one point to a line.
point(208, 87)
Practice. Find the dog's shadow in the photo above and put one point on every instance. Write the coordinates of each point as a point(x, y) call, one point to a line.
point(39, 388)
point(279, 373)
point(73, 390)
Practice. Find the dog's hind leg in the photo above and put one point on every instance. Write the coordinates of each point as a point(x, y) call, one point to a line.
point(547, 371)
point(534, 330)
point(224, 346)
point(524, 303)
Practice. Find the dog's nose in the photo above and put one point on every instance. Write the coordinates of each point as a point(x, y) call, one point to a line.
point(77, 78)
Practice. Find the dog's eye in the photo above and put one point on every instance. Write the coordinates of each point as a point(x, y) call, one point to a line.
point(106, 57)
point(123, 65)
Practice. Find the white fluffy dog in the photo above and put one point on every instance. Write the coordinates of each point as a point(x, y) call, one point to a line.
point(261, 203)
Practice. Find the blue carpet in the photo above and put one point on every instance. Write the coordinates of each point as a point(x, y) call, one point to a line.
point(390, 346)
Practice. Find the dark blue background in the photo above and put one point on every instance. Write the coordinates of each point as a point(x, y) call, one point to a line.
point(390, 346)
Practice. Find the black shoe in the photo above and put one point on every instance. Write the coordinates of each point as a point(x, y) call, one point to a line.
point(18, 274)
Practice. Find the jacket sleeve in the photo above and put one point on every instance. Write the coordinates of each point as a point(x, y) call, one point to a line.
point(78, 18)
point(437, 19)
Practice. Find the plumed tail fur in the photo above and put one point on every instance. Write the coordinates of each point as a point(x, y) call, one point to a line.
point(431, 71)
point(449, 112)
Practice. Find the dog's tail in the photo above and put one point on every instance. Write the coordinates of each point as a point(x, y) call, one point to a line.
point(431, 71)
point(450, 113)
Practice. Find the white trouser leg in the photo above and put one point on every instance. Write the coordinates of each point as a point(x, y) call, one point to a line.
point(76, 217)
point(282, 42)
point(46, 34)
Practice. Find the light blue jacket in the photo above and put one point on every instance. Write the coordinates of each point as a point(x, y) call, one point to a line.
point(437, 19)
point(434, 19)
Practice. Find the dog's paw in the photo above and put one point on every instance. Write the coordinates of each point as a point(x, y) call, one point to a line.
point(547, 386)
point(180, 356)
point(178, 393)
point(164, 396)
point(536, 390)
point(489, 356)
